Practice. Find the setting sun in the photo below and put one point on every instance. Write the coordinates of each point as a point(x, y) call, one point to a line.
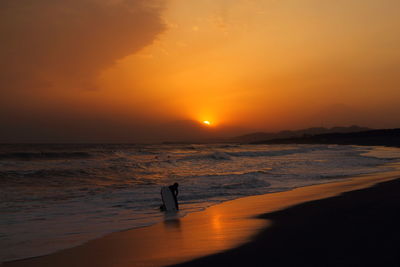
point(145, 109)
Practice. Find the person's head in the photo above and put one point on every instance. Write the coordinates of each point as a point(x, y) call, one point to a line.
point(175, 185)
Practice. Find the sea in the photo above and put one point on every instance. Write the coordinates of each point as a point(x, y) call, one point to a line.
point(58, 196)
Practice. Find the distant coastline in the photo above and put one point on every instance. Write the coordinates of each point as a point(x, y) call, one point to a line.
point(352, 135)
point(384, 137)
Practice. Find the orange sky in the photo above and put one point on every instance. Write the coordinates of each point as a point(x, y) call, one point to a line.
point(116, 70)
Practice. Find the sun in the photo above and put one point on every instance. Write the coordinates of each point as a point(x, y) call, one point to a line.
point(207, 123)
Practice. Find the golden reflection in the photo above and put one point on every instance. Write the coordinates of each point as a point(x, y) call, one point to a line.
point(216, 223)
point(213, 230)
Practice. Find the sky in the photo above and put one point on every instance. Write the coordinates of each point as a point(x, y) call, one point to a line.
point(153, 70)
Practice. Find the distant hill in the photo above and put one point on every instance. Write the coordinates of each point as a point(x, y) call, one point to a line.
point(385, 137)
point(262, 136)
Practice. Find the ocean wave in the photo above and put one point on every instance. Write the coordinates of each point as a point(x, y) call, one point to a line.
point(249, 183)
point(225, 191)
point(45, 173)
point(220, 156)
point(273, 153)
point(44, 155)
point(117, 187)
point(227, 155)
point(247, 173)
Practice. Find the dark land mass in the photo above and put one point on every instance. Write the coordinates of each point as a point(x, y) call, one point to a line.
point(358, 228)
point(386, 137)
point(263, 136)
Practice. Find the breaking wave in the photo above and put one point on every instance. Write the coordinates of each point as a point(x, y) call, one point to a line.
point(62, 191)
point(44, 155)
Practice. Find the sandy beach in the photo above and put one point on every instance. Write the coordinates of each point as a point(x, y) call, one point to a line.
point(156, 133)
point(357, 228)
point(309, 226)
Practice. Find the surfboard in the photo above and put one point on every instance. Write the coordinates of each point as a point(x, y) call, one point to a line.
point(168, 199)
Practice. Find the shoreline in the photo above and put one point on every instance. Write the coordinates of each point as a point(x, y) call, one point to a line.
point(219, 228)
point(355, 228)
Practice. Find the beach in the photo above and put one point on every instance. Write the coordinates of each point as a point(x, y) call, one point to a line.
point(56, 197)
point(357, 228)
point(308, 226)
point(152, 133)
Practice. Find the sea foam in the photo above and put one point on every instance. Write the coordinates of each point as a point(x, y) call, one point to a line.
point(73, 193)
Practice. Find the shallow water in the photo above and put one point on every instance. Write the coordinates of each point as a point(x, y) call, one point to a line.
point(58, 196)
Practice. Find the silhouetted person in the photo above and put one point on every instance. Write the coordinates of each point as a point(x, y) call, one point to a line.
point(175, 192)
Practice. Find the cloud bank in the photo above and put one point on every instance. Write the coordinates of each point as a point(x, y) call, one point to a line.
point(68, 42)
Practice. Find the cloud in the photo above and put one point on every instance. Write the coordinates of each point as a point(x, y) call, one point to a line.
point(68, 42)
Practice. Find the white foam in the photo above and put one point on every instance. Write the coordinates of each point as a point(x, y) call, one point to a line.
point(48, 205)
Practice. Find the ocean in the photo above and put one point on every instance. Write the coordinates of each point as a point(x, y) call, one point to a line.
point(54, 197)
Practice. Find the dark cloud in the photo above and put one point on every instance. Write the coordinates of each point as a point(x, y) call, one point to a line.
point(45, 42)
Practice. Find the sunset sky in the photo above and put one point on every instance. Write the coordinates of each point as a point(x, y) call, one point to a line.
point(140, 70)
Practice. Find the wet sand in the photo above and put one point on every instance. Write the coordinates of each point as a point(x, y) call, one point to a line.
point(358, 228)
point(309, 226)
